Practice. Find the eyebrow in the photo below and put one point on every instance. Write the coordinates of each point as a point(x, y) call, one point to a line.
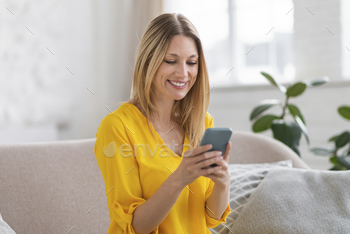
point(193, 55)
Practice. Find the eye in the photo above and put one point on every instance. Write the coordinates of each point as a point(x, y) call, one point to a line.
point(192, 64)
point(189, 63)
point(170, 62)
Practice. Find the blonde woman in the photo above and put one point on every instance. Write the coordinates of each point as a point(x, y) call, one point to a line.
point(157, 177)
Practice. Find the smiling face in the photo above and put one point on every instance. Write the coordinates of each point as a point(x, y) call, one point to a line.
point(178, 71)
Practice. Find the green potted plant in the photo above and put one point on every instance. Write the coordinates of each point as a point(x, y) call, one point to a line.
point(340, 153)
point(286, 131)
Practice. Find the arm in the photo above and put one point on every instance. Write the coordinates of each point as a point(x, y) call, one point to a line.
point(150, 214)
point(216, 204)
point(218, 201)
point(218, 193)
point(120, 172)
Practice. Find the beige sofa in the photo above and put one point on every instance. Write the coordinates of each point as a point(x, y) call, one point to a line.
point(57, 187)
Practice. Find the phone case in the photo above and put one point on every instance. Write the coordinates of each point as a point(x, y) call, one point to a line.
point(218, 137)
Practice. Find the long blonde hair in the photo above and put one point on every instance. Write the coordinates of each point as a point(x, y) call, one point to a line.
point(189, 111)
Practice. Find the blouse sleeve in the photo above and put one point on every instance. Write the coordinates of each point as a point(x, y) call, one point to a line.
point(211, 222)
point(120, 171)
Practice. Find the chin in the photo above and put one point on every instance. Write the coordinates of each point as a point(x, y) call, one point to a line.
point(179, 97)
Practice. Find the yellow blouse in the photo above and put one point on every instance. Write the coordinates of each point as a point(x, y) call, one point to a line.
point(133, 176)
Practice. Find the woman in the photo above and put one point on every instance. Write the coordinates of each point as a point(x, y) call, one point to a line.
point(153, 187)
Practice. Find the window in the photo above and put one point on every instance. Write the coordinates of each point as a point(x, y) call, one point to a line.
point(241, 38)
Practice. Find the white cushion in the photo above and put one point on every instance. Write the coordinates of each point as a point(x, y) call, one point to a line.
point(244, 180)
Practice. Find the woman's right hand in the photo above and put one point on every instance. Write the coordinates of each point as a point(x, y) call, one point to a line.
point(196, 162)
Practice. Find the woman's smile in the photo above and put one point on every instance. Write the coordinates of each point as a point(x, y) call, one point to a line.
point(178, 85)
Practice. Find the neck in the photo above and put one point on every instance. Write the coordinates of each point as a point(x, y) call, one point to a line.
point(164, 113)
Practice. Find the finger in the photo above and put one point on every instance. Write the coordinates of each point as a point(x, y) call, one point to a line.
point(206, 156)
point(212, 176)
point(211, 159)
point(198, 150)
point(210, 170)
point(223, 164)
point(206, 167)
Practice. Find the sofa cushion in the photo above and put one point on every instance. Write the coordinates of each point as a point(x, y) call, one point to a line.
point(298, 201)
point(51, 187)
point(244, 180)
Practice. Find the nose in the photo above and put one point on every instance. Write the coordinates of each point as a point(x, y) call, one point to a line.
point(181, 70)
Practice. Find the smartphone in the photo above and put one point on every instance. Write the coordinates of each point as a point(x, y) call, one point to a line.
point(218, 138)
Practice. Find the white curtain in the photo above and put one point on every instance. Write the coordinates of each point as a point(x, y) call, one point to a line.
point(122, 24)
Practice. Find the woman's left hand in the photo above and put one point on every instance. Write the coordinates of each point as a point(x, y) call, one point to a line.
point(222, 176)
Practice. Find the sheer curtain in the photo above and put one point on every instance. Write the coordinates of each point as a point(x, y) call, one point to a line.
point(121, 25)
point(119, 28)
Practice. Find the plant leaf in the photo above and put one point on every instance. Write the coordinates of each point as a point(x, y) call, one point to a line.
point(296, 89)
point(333, 138)
point(303, 128)
point(344, 111)
point(294, 110)
point(333, 160)
point(342, 139)
point(266, 104)
point(317, 81)
point(264, 123)
point(322, 151)
point(344, 161)
point(288, 133)
point(274, 83)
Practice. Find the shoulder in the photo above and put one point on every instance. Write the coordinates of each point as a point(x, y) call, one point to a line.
point(209, 121)
point(208, 116)
point(117, 120)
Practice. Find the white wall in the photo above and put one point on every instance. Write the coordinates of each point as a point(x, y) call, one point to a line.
point(40, 99)
point(317, 50)
point(39, 41)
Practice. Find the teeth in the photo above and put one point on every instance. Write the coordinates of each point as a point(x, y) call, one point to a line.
point(177, 84)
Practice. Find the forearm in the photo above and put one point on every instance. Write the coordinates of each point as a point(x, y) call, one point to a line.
point(217, 201)
point(151, 213)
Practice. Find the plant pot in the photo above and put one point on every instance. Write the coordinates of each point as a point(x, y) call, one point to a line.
point(288, 133)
